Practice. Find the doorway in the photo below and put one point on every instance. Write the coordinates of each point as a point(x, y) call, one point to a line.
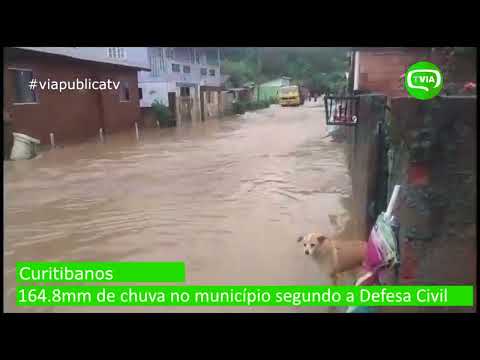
point(186, 104)
point(202, 103)
point(172, 104)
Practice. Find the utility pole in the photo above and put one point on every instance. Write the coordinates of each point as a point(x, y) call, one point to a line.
point(259, 69)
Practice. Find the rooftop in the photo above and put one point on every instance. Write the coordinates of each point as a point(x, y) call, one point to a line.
point(74, 54)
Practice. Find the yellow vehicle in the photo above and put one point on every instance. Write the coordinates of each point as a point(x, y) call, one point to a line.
point(290, 95)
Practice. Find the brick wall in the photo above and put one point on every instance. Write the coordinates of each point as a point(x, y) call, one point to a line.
point(380, 71)
point(71, 115)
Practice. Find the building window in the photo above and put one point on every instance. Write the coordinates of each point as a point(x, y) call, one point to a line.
point(117, 53)
point(175, 67)
point(192, 55)
point(23, 93)
point(124, 91)
point(184, 91)
point(197, 57)
point(212, 72)
point(140, 93)
point(203, 71)
point(186, 69)
point(157, 64)
point(170, 53)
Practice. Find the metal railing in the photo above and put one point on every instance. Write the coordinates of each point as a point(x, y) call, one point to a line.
point(342, 110)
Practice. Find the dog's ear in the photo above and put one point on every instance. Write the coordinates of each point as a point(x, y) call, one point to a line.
point(300, 238)
point(321, 239)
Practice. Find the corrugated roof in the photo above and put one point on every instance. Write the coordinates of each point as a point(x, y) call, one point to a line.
point(62, 51)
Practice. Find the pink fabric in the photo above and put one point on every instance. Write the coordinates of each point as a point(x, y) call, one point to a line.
point(373, 256)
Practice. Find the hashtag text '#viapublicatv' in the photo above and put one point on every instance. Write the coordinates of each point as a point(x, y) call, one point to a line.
point(85, 84)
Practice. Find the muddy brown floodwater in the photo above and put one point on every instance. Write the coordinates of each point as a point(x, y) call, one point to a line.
point(228, 197)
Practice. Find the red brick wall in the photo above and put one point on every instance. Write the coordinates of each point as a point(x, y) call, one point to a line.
point(380, 71)
point(71, 115)
point(119, 115)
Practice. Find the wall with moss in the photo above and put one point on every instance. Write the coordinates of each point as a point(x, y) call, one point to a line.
point(434, 157)
point(428, 147)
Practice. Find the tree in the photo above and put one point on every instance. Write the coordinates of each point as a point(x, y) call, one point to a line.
point(317, 68)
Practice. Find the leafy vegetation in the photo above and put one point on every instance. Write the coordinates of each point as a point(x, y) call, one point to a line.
point(162, 113)
point(319, 69)
point(240, 107)
point(451, 55)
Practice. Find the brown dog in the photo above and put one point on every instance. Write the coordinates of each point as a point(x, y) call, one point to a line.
point(337, 256)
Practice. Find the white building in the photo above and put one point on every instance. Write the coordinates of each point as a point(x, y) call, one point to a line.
point(187, 80)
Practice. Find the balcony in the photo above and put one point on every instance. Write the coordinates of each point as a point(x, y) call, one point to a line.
point(186, 68)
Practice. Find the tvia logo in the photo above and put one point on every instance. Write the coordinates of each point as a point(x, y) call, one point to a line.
point(423, 80)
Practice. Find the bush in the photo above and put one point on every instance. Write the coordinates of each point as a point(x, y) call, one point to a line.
point(162, 112)
point(241, 106)
point(266, 103)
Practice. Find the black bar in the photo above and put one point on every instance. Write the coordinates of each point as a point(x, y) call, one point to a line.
point(346, 111)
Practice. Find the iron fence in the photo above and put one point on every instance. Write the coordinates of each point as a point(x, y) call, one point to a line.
point(342, 110)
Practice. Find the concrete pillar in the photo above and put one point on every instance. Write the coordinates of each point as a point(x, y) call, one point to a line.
point(194, 96)
point(177, 105)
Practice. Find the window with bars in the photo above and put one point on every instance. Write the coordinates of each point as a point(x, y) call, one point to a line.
point(170, 53)
point(192, 55)
point(176, 67)
point(23, 93)
point(157, 64)
point(124, 91)
point(186, 69)
point(117, 53)
point(184, 91)
point(212, 72)
point(203, 71)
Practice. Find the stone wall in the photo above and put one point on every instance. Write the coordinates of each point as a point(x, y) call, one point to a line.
point(362, 147)
point(434, 158)
point(430, 150)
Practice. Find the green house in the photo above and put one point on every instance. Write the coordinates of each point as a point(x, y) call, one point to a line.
point(269, 89)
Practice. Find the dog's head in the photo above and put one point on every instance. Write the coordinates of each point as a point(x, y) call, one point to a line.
point(311, 242)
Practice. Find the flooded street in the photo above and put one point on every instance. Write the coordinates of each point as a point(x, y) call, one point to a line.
point(228, 197)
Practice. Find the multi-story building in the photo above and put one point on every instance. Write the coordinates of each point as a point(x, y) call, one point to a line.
point(185, 79)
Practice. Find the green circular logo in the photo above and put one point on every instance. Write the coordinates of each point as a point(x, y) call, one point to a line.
point(423, 80)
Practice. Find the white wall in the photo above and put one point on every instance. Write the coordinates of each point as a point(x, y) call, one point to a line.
point(356, 73)
point(152, 91)
point(167, 81)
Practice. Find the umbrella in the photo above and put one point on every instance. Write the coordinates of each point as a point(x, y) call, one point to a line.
point(382, 246)
point(382, 249)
